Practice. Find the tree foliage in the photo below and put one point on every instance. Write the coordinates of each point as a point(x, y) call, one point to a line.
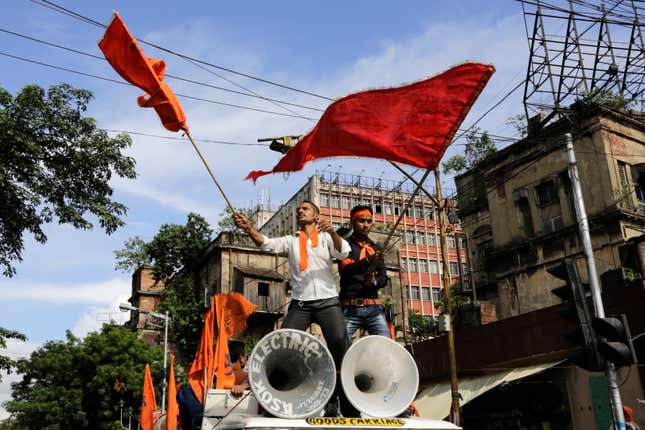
point(420, 327)
point(184, 301)
point(172, 253)
point(77, 384)
point(6, 363)
point(174, 247)
point(458, 304)
point(226, 222)
point(55, 164)
point(479, 146)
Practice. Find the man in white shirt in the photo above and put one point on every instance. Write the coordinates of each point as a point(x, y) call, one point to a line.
point(313, 290)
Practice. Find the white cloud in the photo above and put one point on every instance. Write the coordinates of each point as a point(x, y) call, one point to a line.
point(95, 316)
point(99, 293)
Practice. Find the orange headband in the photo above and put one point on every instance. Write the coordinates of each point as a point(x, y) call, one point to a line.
point(361, 213)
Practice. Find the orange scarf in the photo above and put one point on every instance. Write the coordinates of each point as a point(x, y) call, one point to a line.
point(303, 247)
point(365, 250)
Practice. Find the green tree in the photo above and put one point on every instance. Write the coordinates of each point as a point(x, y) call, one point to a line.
point(174, 247)
point(518, 122)
point(55, 164)
point(420, 327)
point(172, 253)
point(78, 383)
point(479, 146)
point(457, 301)
point(6, 363)
point(184, 301)
point(226, 222)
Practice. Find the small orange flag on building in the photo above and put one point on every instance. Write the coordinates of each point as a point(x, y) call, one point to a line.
point(148, 402)
point(126, 57)
point(203, 362)
point(172, 411)
point(232, 311)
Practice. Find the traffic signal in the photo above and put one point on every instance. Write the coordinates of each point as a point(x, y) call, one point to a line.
point(575, 293)
point(616, 345)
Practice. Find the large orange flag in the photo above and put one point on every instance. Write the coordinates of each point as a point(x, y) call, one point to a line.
point(172, 412)
point(126, 57)
point(204, 357)
point(232, 311)
point(148, 402)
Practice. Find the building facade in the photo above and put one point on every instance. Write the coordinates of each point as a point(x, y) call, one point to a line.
point(420, 260)
point(517, 207)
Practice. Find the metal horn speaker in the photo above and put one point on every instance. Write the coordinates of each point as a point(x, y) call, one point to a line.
point(379, 376)
point(291, 374)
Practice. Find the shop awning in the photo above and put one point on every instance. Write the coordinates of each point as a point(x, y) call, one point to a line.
point(434, 402)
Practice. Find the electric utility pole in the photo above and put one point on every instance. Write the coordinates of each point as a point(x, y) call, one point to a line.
point(583, 226)
point(454, 388)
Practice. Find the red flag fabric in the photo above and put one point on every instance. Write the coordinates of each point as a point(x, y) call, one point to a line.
point(126, 57)
point(148, 402)
point(172, 411)
point(412, 124)
point(204, 357)
point(232, 311)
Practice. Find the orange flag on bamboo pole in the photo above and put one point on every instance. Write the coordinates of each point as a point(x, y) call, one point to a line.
point(172, 411)
point(148, 402)
point(232, 311)
point(126, 57)
point(202, 368)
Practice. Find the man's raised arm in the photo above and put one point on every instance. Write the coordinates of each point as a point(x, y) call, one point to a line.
point(245, 224)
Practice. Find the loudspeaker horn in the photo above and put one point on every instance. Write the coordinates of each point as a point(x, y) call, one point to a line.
point(379, 377)
point(291, 374)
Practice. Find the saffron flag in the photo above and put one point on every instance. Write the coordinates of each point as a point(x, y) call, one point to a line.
point(232, 311)
point(172, 411)
point(126, 57)
point(201, 367)
point(148, 402)
point(412, 124)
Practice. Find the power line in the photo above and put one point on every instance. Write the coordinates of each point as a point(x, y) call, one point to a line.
point(28, 60)
point(168, 75)
point(68, 12)
point(206, 140)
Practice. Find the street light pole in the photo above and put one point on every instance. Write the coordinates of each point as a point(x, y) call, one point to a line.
point(165, 367)
point(124, 307)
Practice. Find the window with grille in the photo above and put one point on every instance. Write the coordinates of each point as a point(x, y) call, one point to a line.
point(451, 242)
point(412, 264)
point(423, 266)
point(409, 236)
point(437, 295)
point(414, 293)
point(425, 293)
point(434, 267)
point(454, 268)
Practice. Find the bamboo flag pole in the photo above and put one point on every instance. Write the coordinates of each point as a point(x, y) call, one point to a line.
point(210, 172)
point(455, 413)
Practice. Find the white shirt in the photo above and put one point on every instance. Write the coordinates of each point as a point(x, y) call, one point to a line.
point(316, 281)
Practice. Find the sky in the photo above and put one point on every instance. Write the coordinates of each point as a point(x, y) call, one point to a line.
point(330, 48)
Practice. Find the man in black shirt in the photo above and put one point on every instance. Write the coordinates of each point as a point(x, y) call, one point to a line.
point(362, 274)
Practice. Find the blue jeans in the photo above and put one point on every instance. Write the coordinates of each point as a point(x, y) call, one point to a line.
point(370, 318)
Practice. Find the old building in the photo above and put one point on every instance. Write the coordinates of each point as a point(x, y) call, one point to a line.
point(420, 252)
point(517, 208)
